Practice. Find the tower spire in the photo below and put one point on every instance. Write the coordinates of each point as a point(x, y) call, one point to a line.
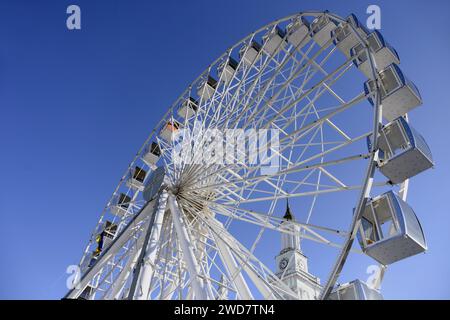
point(288, 214)
point(292, 263)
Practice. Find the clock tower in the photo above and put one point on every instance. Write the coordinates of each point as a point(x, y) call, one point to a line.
point(292, 264)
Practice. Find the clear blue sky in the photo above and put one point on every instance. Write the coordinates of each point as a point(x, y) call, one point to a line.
point(76, 106)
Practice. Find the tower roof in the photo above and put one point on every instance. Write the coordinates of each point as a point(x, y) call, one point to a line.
point(288, 215)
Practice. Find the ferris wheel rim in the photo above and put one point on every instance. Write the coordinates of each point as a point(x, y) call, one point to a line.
point(153, 134)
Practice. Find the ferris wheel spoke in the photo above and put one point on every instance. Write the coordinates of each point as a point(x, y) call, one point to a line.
point(338, 130)
point(253, 83)
point(296, 168)
point(263, 217)
point(287, 83)
point(301, 94)
point(267, 181)
point(269, 213)
point(268, 88)
point(258, 97)
point(272, 223)
point(302, 131)
point(327, 87)
point(300, 166)
point(304, 94)
point(342, 68)
point(306, 194)
point(333, 177)
point(319, 176)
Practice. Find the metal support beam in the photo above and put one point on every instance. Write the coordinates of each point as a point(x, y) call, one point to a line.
point(257, 280)
point(115, 246)
point(187, 249)
point(116, 290)
point(232, 268)
point(140, 287)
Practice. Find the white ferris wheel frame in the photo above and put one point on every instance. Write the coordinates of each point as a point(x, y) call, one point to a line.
point(144, 225)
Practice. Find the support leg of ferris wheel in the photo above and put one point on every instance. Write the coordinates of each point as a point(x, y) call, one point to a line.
point(168, 291)
point(230, 243)
point(140, 287)
point(200, 253)
point(118, 243)
point(187, 249)
point(234, 273)
point(117, 289)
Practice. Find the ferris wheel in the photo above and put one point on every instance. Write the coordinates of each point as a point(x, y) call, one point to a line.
point(199, 213)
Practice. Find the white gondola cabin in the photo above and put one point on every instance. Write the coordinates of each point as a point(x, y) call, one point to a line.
point(169, 130)
point(321, 29)
point(274, 40)
point(345, 38)
point(404, 153)
point(103, 239)
point(188, 108)
point(152, 154)
point(121, 205)
point(389, 230)
point(108, 233)
point(227, 70)
point(207, 88)
point(250, 53)
point(355, 290)
point(298, 32)
point(87, 263)
point(398, 94)
point(86, 293)
point(136, 178)
point(94, 257)
point(384, 54)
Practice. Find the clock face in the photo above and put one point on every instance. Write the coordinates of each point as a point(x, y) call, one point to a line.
point(283, 263)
